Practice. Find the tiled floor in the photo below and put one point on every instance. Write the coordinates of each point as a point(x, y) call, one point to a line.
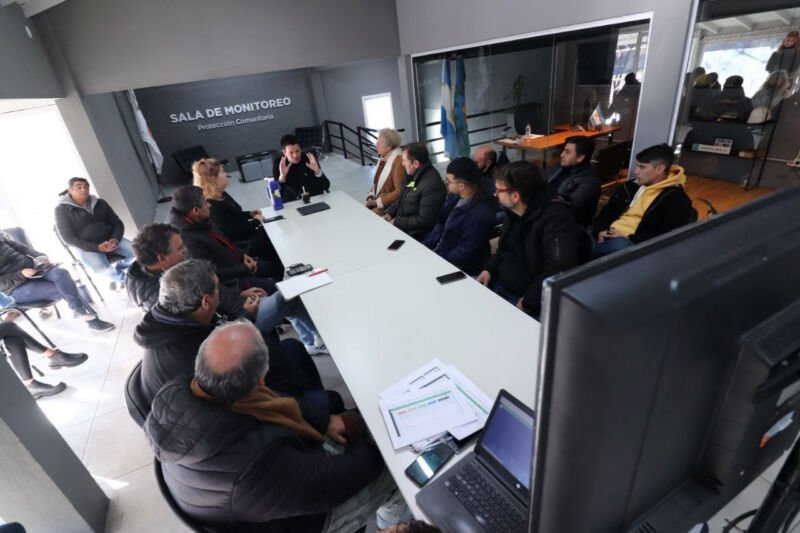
point(92, 417)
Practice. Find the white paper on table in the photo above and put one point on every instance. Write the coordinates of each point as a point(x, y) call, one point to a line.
point(421, 377)
point(297, 285)
point(476, 400)
point(421, 414)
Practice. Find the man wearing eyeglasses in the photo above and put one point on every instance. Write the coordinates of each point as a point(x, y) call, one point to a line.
point(465, 222)
point(539, 239)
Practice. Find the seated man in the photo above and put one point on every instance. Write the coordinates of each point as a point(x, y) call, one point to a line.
point(423, 194)
point(88, 223)
point(28, 276)
point(486, 159)
point(651, 204)
point(575, 178)
point(296, 171)
point(233, 451)
point(159, 247)
point(462, 237)
point(191, 214)
point(539, 239)
point(171, 333)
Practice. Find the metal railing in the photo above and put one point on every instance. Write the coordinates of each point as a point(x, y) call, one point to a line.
point(470, 131)
point(361, 140)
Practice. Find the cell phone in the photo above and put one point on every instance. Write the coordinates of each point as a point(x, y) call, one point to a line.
point(297, 269)
point(273, 219)
point(449, 278)
point(396, 245)
point(428, 463)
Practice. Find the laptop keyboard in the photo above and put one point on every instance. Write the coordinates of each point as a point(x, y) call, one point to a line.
point(488, 506)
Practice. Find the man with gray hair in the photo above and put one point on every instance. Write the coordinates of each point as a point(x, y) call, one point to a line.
point(235, 452)
point(389, 175)
point(185, 315)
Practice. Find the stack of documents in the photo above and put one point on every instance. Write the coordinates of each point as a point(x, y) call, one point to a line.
point(434, 399)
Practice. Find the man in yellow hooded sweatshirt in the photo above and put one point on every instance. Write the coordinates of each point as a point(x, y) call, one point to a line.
point(651, 204)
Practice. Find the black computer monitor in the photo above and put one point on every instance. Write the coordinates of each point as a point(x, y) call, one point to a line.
point(662, 368)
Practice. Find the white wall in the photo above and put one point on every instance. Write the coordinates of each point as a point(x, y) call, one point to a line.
point(26, 70)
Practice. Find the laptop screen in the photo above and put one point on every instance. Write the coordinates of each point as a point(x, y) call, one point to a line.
point(508, 438)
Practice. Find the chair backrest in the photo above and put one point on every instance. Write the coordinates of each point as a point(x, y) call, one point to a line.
point(609, 161)
point(137, 406)
point(310, 138)
point(185, 158)
point(531, 113)
point(188, 521)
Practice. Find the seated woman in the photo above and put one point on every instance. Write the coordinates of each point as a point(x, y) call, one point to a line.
point(17, 342)
point(228, 216)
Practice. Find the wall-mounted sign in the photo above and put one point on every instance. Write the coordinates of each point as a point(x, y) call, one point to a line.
point(236, 109)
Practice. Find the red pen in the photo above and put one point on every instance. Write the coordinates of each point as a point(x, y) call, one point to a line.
point(318, 272)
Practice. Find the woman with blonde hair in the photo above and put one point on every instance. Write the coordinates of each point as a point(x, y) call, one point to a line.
point(389, 175)
point(227, 215)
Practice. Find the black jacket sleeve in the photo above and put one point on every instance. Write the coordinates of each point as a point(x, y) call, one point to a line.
point(560, 250)
point(289, 480)
point(616, 206)
point(118, 228)
point(433, 195)
point(671, 210)
point(68, 231)
point(234, 271)
point(232, 220)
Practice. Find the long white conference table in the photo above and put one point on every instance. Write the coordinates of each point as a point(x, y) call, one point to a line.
point(385, 314)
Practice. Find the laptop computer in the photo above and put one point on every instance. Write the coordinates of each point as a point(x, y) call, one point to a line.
point(489, 489)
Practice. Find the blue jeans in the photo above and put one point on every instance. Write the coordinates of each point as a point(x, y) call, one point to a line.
point(272, 309)
point(506, 294)
point(98, 261)
point(609, 246)
point(54, 285)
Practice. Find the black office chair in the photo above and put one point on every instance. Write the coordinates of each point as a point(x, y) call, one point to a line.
point(312, 139)
point(137, 406)
point(531, 113)
point(185, 158)
point(188, 521)
point(610, 160)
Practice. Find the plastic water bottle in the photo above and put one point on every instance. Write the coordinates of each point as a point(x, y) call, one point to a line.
point(275, 194)
point(527, 130)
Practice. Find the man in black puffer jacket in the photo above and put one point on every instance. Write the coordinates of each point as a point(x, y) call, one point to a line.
point(88, 224)
point(234, 453)
point(416, 211)
point(539, 239)
point(575, 179)
point(159, 247)
point(191, 214)
point(172, 331)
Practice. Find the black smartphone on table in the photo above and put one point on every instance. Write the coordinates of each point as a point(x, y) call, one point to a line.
point(273, 219)
point(449, 278)
point(429, 462)
point(396, 245)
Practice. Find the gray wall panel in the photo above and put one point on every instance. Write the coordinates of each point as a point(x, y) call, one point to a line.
point(23, 61)
point(115, 44)
point(226, 142)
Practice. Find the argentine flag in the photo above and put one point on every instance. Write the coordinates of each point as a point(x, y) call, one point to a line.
point(448, 127)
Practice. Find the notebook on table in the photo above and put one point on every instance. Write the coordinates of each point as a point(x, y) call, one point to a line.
point(313, 208)
point(489, 489)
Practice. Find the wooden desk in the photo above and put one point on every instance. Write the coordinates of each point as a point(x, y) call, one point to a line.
point(554, 140)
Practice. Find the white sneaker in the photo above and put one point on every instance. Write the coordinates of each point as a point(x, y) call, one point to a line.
point(319, 349)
